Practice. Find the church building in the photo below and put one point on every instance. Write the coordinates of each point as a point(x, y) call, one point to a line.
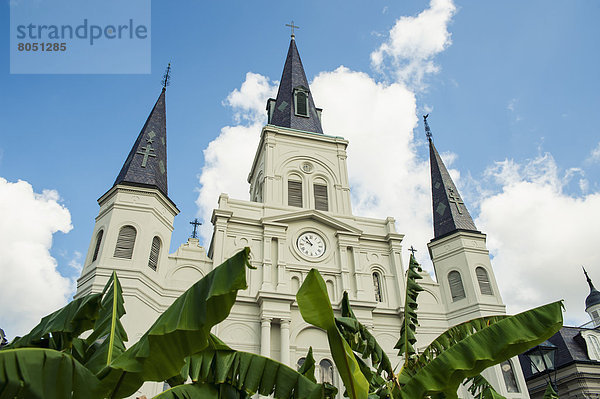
point(298, 216)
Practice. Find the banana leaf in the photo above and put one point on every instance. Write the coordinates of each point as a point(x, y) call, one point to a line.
point(32, 373)
point(480, 388)
point(252, 373)
point(308, 367)
point(202, 391)
point(486, 347)
point(550, 393)
point(361, 340)
point(58, 329)
point(107, 340)
point(315, 307)
point(183, 329)
point(405, 344)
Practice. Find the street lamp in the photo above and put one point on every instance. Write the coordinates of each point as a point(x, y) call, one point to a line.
point(543, 358)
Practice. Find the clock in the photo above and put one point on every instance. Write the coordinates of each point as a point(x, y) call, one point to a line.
point(311, 244)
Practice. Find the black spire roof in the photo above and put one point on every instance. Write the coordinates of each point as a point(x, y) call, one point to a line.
point(284, 113)
point(594, 297)
point(146, 165)
point(449, 211)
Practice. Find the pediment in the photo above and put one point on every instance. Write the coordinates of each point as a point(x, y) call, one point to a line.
point(315, 215)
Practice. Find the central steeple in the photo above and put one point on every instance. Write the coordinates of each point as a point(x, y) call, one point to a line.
point(294, 106)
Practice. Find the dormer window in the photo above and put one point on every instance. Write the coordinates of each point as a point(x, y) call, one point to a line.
point(301, 101)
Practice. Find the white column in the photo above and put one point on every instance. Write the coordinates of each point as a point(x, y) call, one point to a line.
point(285, 341)
point(265, 337)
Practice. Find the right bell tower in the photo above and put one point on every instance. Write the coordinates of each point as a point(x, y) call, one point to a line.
point(458, 250)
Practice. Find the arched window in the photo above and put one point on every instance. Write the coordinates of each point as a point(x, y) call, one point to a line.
point(301, 100)
point(457, 290)
point(326, 373)
point(509, 377)
point(300, 363)
point(330, 290)
point(154, 253)
point(321, 200)
point(484, 281)
point(295, 193)
point(125, 242)
point(98, 242)
point(377, 287)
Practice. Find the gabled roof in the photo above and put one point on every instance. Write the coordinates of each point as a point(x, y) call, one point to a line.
point(316, 216)
point(449, 211)
point(146, 165)
point(293, 77)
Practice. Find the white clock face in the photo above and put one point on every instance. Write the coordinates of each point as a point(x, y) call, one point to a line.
point(311, 244)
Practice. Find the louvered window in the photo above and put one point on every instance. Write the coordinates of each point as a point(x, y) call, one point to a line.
point(326, 373)
point(321, 201)
point(509, 377)
point(377, 287)
point(295, 193)
point(98, 242)
point(484, 281)
point(301, 103)
point(125, 242)
point(154, 252)
point(457, 290)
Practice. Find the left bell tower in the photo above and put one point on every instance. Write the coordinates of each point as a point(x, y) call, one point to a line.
point(133, 228)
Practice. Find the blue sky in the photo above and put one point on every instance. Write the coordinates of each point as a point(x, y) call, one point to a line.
point(513, 97)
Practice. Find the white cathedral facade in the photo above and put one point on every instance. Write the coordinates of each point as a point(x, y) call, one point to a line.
point(298, 217)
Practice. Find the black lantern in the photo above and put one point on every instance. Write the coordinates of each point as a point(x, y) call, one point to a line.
point(543, 358)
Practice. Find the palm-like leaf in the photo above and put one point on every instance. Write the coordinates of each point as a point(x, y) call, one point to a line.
point(183, 329)
point(315, 307)
point(58, 329)
point(476, 352)
point(308, 367)
point(251, 373)
point(480, 388)
point(37, 373)
point(550, 393)
point(202, 391)
point(405, 344)
point(106, 342)
point(361, 340)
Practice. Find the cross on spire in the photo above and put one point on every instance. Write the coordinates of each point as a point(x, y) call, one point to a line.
point(427, 129)
point(412, 250)
point(148, 150)
point(166, 80)
point(196, 223)
point(454, 198)
point(292, 26)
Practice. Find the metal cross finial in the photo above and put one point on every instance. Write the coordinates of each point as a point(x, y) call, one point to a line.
point(412, 250)
point(427, 129)
point(196, 223)
point(292, 26)
point(166, 80)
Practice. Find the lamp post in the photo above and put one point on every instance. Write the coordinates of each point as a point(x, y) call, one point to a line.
point(543, 358)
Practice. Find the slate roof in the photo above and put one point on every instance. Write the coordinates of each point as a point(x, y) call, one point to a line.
point(570, 348)
point(449, 211)
point(293, 76)
point(146, 165)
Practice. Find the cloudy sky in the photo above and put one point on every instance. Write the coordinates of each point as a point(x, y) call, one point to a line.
point(511, 89)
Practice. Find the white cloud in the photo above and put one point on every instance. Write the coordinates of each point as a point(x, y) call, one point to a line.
point(31, 285)
point(595, 154)
point(413, 43)
point(228, 158)
point(540, 236)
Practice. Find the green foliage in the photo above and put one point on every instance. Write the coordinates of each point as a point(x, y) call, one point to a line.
point(405, 344)
point(202, 391)
point(59, 329)
point(44, 373)
point(106, 341)
point(251, 373)
point(550, 393)
point(480, 388)
point(315, 307)
point(361, 340)
point(308, 367)
point(183, 329)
